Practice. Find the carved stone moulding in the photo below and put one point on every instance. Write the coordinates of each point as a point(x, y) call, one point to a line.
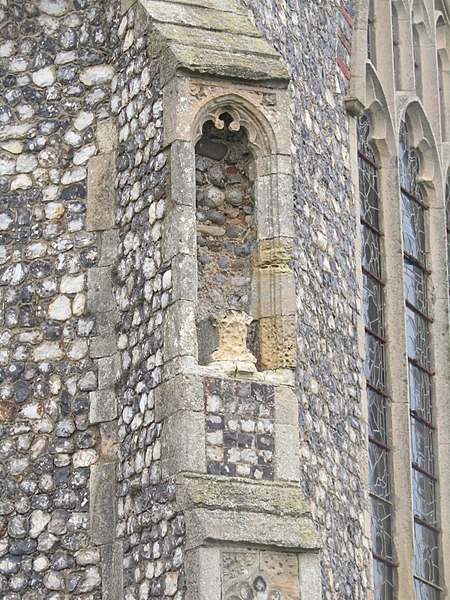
point(260, 575)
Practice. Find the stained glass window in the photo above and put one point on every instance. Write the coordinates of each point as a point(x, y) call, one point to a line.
point(426, 555)
point(375, 368)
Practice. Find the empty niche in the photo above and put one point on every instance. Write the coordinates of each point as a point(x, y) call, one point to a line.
point(226, 240)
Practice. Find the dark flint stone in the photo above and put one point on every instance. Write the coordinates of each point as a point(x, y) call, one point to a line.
point(29, 28)
point(36, 231)
point(23, 547)
point(214, 468)
point(87, 57)
point(230, 439)
point(214, 423)
point(43, 464)
point(40, 268)
point(259, 585)
point(49, 44)
point(13, 563)
point(66, 74)
point(76, 190)
point(16, 12)
point(157, 588)
point(123, 163)
point(9, 32)
point(81, 404)
point(15, 371)
point(48, 110)
point(5, 239)
point(68, 39)
point(31, 94)
point(89, 257)
point(245, 440)
point(10, 81)
point(229, 470)
point(267, 471)
point(88, 135)
point(23, 216)
point(41, 60)
point(86, 439)
point(211, 149)
point(21, 391)
point(265, 442)
point(61, 476)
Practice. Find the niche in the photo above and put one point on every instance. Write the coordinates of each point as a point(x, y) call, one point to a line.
point(226, 242)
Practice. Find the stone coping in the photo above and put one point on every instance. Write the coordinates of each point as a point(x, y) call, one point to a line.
point(212, 37)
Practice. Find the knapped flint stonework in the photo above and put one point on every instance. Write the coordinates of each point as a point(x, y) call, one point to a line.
point(79, 437)
point(239, 428)
point(56, 73)
point(330, 425)
point(149, 524)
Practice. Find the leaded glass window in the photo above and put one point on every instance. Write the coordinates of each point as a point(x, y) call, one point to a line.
point(416, 275)
point(375, 368)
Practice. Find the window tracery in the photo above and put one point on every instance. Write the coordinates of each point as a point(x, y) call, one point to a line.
point(375, 368)
point(420, 374)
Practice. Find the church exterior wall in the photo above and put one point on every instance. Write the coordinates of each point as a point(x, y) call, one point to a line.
point(116, 476)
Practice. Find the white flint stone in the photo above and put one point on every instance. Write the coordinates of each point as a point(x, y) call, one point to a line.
point(25, 111)
point(26, 163)
point(72, 284)
point(73, 138)
point(14, 274)
point(73, 176)
point(82, 156)
point(84, 458)
point(17, 65)
point(90, 580)
point(56, 8)
point(48, 351)
point(89, 556)
point(44, 77)
point(79, 305)
point(13, 147)
point(122, 26)
point(6, 49)
point(97, 75)
point(63, 58)
point(77, 349)
point(41, 563)
point(6, 221)
point(50, 193)
point(60, 309)
point(54, 580)
point(54, 210)
point(38, 522)
point(55, 384)
point(7, 165)
point(21, 182)
point(83, 120)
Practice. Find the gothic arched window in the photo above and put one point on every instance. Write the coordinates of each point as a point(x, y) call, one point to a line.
point(375, 368)
point(420, 374)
